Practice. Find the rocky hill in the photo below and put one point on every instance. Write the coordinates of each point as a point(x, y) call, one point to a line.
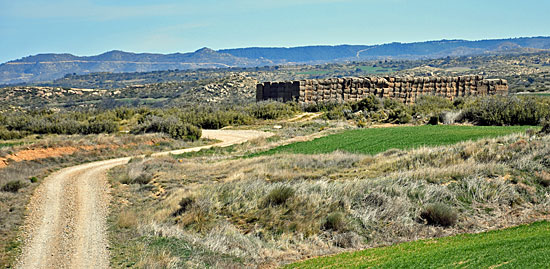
point(234, 88)
point(48, 67)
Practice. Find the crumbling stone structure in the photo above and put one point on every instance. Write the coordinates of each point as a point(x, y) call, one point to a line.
point(406, 89)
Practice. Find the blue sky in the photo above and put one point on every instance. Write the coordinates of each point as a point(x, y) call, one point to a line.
point(89, 27)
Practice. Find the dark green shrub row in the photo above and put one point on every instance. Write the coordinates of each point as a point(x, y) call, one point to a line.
point(180, 123)
point(19, 123)
point(6, 134)
point(171, 125)
point(507, 110)
point(371, 108)
point(484, 110)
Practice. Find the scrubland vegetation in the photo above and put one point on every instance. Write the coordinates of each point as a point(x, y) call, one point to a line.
point(489, 110)
point(272, 210)
point(180, 123)
point(365, 187)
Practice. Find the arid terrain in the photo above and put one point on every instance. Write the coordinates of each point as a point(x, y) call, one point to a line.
point(176, 169)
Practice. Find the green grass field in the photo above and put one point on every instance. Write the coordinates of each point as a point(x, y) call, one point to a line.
point(526, 246)
point(376, 140)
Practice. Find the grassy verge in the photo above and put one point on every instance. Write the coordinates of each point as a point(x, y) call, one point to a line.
point(525, 246)
point(376, 140)
point(131, 245)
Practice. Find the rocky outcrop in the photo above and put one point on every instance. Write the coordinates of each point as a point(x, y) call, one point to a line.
point(406, 89)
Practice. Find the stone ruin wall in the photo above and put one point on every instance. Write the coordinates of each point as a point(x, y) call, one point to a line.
point(406, 89)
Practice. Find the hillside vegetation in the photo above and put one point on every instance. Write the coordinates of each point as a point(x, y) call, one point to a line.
point(272, 210)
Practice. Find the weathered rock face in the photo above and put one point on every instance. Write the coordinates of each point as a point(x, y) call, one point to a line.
point(406, 89)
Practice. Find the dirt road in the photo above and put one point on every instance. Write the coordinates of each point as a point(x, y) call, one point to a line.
point(66, 225)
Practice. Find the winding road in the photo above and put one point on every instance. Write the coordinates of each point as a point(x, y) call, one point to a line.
point(66, 225)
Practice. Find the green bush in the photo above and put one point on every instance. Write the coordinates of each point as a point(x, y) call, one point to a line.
point(279, 196)
point(272, 110)
point(397, 112)
point(370, 103)
point(169, 125)
point(13, 186)
point(507, 110)
point(321, 106)
point(431, 105)
point(439, 214)
point(20, 123)
point(98, 127)
point(6, 134)
point(373, 108)
point(336, 113)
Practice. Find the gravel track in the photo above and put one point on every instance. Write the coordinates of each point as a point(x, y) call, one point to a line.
point(66, 222)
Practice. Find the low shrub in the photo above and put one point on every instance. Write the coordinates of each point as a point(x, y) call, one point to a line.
point(279, 196)
point(370, 103)
point(13, 186)
point(184, 204)
point(142, 179)
point(439, 214)
point(507, 110)
point(272, 110)
point(335, 221)
point(543, 178)
point(431, 105)
point(545, 123)
point(336, 113)
point(397, 111)
point(6, 134)
point(169, 125)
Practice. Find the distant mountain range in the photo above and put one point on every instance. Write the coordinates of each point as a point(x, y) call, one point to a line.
point(47, 67)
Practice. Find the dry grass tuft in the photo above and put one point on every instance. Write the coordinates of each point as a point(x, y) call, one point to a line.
point(543, 178)
point(278, 196)
point(13, 186)
point(127, 220)
point(439, 214)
